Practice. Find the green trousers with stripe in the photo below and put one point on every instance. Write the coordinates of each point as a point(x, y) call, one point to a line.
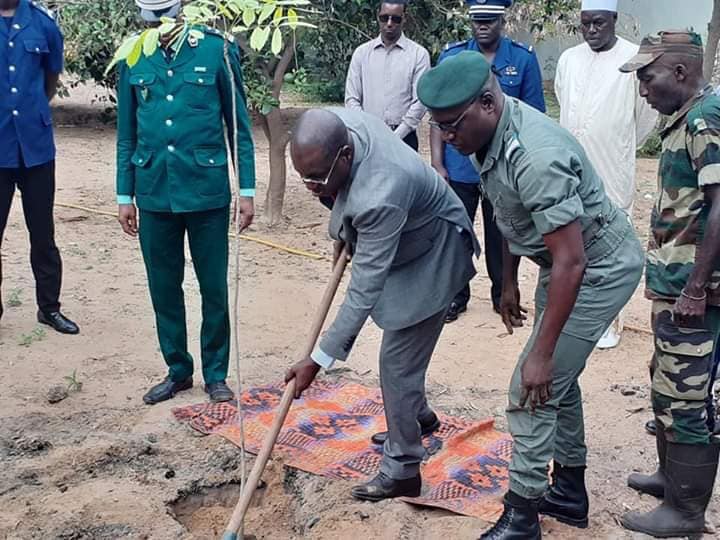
point(162, 240)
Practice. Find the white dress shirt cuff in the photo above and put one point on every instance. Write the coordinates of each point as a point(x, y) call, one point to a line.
point(403, 130)
point(322, 359)
point(247, 192)
point(124, 199)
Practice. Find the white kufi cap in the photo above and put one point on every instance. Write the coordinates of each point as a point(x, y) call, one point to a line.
point(599, 5)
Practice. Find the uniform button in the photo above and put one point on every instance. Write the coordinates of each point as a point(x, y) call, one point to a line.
point(170, 97)
point(168, 122)
point(170, 73)
point(11, 44)
point(13, 90)
point(200, 81)
point(211, 161)
point(141, 81)
point(171, 148)
point(15, 113)
point(37, 49)
point(12, 68)
point(16, 26)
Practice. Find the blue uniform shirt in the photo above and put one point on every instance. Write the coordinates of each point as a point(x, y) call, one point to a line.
point(30, 46)
point(519, 76)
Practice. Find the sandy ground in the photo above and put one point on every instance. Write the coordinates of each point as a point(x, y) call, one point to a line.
point(100, 464)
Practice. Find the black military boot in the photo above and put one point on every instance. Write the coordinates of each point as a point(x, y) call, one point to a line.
point(519, 520)
point(566, 500)
point(690, 471)
point(653, 484)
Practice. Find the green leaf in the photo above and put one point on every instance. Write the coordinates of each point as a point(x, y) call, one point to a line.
point(137, 49)
point(259, 37)
point(238, 29)
point(277, 42)
point(292, 18)
point(197, 34)
point(248, 16)
point(166, 28)
point(265, 13)
point(298, 24)
point(150, 42)
point(277, 18)
point(122, 53)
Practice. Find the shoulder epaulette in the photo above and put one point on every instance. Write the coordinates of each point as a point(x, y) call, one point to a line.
point(520, 44)
point(217, 33)
point(454, 44)
point(42, 9)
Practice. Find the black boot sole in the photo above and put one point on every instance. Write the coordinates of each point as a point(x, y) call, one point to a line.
point(665, 534)
point(573, 522)
point(377, 498)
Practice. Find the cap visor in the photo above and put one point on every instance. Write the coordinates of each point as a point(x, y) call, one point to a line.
point(639, 61)
point(156, 5)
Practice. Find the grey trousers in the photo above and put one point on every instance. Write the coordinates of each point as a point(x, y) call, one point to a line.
point(404, 358)
point(556, 430)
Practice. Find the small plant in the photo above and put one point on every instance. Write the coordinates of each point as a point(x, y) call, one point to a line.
point(28, 339)
point(73, 384)
point(14, 298)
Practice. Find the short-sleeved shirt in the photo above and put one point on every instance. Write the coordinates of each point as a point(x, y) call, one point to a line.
point(519, 75)
point(30, 47)
point(538, 179)
point(689, 161)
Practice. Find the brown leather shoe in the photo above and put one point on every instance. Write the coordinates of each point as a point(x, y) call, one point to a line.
point(383, 487)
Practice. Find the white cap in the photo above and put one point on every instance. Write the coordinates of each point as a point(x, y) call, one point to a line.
point(170, 9)
point(599, 5)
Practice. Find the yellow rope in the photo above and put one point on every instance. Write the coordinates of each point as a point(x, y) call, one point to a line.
point(267, 243)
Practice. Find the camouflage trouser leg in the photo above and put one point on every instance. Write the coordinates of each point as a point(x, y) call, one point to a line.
point(682, 373)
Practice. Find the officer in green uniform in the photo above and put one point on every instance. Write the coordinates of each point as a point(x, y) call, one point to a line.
point(172, 159)
point(682, 278)
point(551, 207)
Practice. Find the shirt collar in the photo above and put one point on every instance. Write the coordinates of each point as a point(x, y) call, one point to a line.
point(402, 42)
point(682, 112)
point(498, 141)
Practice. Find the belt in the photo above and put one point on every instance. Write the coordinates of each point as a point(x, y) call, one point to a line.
point(604, 233)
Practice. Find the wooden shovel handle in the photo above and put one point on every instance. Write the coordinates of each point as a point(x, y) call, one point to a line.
point(264, 455)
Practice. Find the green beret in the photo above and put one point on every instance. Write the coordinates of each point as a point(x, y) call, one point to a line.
point(454, 81)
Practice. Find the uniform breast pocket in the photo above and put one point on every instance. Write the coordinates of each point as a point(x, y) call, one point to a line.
point(35, 50)
point(198, 90)
point(146, 90)
point(211, 163)
point(511, 84)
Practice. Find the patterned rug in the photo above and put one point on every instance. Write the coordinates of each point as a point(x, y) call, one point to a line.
point(327, 433)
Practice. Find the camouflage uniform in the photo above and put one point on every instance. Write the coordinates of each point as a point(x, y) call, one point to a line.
point(682, 362)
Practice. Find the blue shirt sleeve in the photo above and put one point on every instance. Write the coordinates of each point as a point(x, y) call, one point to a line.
point(532, 84)
point(54, 60)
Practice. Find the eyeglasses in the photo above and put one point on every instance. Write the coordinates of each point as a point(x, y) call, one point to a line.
point(452, 127)
point(397, 19)
point(316, 182)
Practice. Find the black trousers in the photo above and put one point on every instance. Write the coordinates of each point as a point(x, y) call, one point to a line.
point(37, 188)
point(470, 196)
point(411, 139)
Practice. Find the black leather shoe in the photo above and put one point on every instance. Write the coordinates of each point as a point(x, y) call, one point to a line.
point(454, 312)
point(427, 426)
point(58, 321)
point(519, 520)
point(651, 427)
point(219, 392)
point(566, 499)
point(383, 487)
point(166, 390)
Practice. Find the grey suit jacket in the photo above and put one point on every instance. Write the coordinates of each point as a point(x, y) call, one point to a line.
point(411, 237)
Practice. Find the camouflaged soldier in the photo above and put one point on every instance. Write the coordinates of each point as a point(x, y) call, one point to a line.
point(682, 277)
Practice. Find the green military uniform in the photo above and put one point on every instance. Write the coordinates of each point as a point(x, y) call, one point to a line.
point(683, 359)
point(539, 179)
point(171, 157)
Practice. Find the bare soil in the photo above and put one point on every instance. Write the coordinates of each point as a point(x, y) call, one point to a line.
point(98, 464)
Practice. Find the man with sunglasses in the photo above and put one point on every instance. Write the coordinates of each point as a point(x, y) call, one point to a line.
point(551, 207)
point(383, 74)
point(518, 73)
point(412, 245)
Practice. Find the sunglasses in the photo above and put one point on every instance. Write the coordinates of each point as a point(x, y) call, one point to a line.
point(452, 127)
point(397, 19)
point(315, 181)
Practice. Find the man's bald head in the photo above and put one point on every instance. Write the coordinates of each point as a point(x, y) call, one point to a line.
point(322, 151)
point(319, 130)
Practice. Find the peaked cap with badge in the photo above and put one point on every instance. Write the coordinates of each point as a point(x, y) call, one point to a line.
point(480, 10)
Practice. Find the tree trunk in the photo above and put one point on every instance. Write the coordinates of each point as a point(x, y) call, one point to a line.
point(712, 41)
point(278, 138)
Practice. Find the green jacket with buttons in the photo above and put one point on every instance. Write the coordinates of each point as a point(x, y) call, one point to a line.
point(172, 113)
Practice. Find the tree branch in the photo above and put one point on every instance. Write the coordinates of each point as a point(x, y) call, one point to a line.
point(281, 68)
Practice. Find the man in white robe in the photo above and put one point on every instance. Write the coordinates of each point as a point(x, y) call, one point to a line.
point(602, 108)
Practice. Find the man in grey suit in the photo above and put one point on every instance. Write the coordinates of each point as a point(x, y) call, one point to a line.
point(412, 244)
